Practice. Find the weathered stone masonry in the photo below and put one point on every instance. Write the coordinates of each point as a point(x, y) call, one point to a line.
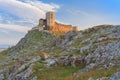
point(50, 24)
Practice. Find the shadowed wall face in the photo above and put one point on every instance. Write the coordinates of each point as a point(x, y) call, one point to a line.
point(50, 18)
point(42, 24)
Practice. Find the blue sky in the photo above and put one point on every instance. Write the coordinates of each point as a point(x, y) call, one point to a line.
point(19, 16)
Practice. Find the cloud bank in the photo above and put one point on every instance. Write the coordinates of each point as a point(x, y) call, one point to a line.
point(15, 28)
point(19, 16)
point(24, 13)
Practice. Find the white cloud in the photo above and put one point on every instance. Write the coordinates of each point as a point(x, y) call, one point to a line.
point(87, 19)
point(15, 27)
point(43, 6)
point(4, 31)
point(28, 11)
point(16, 15)
point(78, 12)
point(20, 9)
point(0, 18)
point(10, 41)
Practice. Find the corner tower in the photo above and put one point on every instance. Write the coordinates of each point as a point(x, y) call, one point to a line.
point(50, 19)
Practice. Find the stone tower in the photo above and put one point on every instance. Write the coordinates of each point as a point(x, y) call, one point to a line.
point(50, 19)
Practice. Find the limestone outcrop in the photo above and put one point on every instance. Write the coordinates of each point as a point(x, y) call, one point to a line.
point(92, 54)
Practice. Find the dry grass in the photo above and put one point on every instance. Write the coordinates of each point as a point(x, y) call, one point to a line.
point(96, 73)
point(55, 73)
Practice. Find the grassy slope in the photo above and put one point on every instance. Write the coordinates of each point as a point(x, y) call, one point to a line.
point(66, 73)
point(54, 73)
point(34, 39)
point(98, 73)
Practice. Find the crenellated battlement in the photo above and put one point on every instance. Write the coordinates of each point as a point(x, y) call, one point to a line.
point(50, 24)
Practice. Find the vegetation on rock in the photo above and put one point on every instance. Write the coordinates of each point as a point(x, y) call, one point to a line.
point(41, 55)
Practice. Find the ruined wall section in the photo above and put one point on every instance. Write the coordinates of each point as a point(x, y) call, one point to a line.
point(42, 24)
point(51, 25)
point(75, 28)
point(58, 27)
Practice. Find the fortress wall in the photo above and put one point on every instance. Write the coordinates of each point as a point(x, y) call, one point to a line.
point(58, 27)
point(50, 24)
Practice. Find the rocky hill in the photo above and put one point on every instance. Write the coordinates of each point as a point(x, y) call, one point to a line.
point(92, 54)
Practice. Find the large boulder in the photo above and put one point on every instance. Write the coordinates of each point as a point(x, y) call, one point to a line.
point(115, 76)
point(71, 60)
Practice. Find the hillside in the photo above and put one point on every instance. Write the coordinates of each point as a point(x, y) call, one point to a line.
point(33, 42)
point(1, 50)
point(92, 54)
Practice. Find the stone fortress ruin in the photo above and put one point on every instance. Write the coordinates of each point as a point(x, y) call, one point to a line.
point(51, 25)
